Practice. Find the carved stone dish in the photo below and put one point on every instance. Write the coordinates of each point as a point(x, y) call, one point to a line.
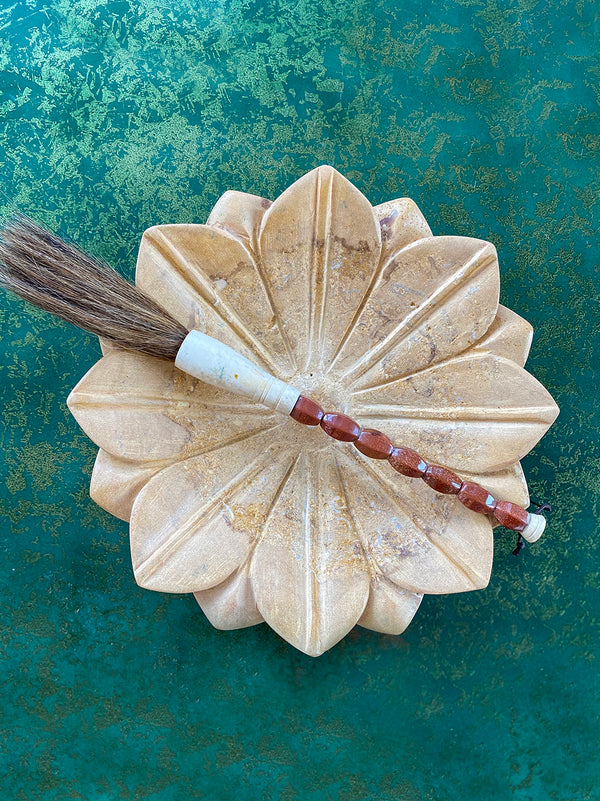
point(366, 312)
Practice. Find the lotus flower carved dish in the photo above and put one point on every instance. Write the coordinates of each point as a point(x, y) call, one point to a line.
point(372, 315)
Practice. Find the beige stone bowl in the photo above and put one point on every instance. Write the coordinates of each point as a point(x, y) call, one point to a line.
point(366, 312)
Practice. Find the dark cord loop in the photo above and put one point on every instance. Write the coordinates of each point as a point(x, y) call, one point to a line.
point(543, 507)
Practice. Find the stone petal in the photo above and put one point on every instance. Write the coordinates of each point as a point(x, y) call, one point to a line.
point(140, 408)
point(478, 413)
point(319, 246)
point(308, 571)
point(107, 346)
point(193, 524)
point(208, 280)
point(422, 541)
point(431, 301)
point(509, 336)
point(389, 608)
point(231, 604)
point(116, 483)
point(401, 223)
point(240, 215)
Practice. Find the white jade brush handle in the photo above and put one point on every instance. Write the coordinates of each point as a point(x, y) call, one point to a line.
point(217, 364)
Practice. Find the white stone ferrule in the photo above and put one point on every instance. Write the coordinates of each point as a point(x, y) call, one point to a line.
point(215, 363)
point(534, 528)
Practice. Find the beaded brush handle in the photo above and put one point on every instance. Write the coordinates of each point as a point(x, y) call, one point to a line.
point(213, 362)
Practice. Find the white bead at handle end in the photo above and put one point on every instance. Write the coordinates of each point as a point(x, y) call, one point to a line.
point(534, 528)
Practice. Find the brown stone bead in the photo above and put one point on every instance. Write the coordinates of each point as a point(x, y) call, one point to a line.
point(407, 462)
point(511, 515)
point(341, 427)
point(307, 412)
point(476, 498)
point(442, 480)
point(374, 444)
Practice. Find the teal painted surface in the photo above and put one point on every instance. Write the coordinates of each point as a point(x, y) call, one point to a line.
point(115, 116)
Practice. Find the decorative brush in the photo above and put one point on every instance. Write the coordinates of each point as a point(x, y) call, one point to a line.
point(62, 279)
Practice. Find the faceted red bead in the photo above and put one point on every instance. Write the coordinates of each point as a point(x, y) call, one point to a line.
point(341, 427)
point(407, 462)
point(307, 412)
point(511, 515)
point(374, 444)
point(476, 498)
point(442, 480)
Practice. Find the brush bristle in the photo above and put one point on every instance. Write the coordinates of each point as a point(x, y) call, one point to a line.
point(62, 279)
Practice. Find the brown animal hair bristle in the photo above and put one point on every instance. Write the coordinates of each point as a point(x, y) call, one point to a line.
point(62, 279)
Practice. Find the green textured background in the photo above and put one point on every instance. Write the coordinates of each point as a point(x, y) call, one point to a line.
point(118, 115)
